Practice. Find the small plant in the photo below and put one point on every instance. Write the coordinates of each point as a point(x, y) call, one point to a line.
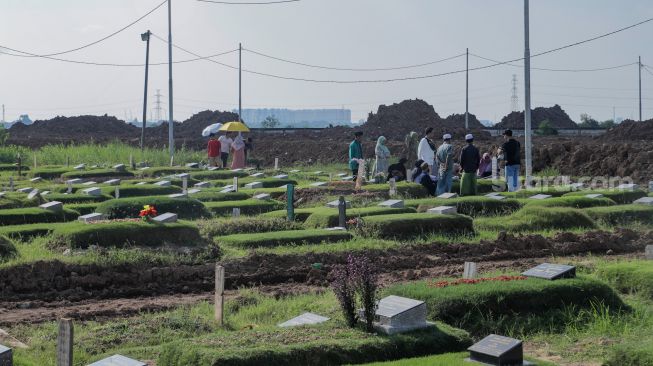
point(147, 213)
point(356, 279)
point(345, 293)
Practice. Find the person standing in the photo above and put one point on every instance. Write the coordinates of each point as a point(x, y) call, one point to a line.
point(426, 148)
point(355, 153)
point(470, 159)
point(444, 160)
point(225, 147)
point(382, 155)
point(238, 150)
point(485, 166)
point(213, 150)
point(511, 150)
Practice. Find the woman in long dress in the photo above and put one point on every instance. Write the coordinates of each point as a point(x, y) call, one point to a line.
point(382, 155)
point(238, 152)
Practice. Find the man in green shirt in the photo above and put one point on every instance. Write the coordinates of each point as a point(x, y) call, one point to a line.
point(444, 161)
point(355, 152)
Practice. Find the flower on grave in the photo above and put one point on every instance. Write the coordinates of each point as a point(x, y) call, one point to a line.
point(147, 212)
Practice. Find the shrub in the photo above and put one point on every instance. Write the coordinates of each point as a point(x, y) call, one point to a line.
point(76, 198)
point(139, 191)
point(505, 304)
point(404, 189)
point(244, 225)
point(470, 206)
point(7, 249)
point(277, 238)
point(621, 214)
point(19, 216)
point(124, 233)
point(247, 207)
point(365, 283)
point(571, 201)
point(49, 172)
point(16, 200)
point(96, 173)
point(215, 196)
point(345, 291)
point(411, 225)
point(329, 217)
point(629, 277)
point(619, 196)
point(27, 231)
point(217, 174)
point(536, 218)
point(121, 208)
point(9, 167)
point(83, 208)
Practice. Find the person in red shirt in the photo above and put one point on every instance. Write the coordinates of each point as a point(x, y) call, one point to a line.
point(213, 149)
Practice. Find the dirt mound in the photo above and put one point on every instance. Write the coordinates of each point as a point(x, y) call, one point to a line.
point(191, 129)
point(630, 130)
point(458, 120)
point(555, 115)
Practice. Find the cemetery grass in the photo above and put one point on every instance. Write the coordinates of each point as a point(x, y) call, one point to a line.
point(449, 359)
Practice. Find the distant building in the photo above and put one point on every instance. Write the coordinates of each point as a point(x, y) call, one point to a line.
point(298, 117)
point(24, 119)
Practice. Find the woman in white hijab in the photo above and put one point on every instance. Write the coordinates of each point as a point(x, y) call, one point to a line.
point(238, 151)
point(382, 155)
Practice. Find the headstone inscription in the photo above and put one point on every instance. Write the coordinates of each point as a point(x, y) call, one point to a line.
point(497, 350)
point(550, 271)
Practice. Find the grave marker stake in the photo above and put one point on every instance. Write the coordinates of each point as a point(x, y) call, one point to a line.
point(117, 192)
point(342, 212)
point(361, 173)
point(290, 193)
point(495, 168)
point(184, 184)
point(276, 163)
point(235, 184)
point(70, 188)
point(65, 343)
point(235, 212)
point(393, 187)
point(11, 184)
point(172, 161)
point(35, 161)
point(470, 271)
point(219, 294)
point(131, 161)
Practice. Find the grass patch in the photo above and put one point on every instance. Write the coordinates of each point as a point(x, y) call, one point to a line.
point(301, 214)
point(629, 277)
point(247, 207)
point(49, 172)
point(447, 359)
point(619, 196)
point(470, 206)
point(571, 201)
point(244, 225)
point(412, 225)
point(7, 249)
point(32, 215)
point(217, 174)
point(536, 218)
point(140, 191)
point(278, 238)
point(83, 208)
point(322, 217)
point(27, 231)
point(76, 198)
point(216, 196)
point(96, 173)
point(185, 208)
point(621, 214)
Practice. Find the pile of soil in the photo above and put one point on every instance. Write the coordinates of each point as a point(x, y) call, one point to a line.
point(629, 130)
point(556, 116)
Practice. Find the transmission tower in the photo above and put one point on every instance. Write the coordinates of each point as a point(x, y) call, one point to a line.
point(157, 107)
point(514, 99)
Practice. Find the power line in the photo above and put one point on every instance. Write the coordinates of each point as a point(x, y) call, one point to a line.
point(353, 69)
point(647, 69)
point(561, 70)
point(249, 3)
point(101, 39)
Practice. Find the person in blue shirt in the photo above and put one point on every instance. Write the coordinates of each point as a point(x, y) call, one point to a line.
point(355, 152)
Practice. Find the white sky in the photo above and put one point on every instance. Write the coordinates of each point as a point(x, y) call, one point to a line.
point(339, 33)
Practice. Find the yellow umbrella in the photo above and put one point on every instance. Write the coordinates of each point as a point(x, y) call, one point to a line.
point(234, 127)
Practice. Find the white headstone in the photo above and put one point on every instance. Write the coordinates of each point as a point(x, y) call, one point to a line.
point(340, 175)
point(113, 182)
point(192, 165)
point(54, 206)
point(396, 314)
point(91, 217)
point(295, 171)
point(650, 186)
point(236, 212)
point(262, 196)
point(183, 175)
point(227, 190)
point(644, 201)
point(167, 217)
point(256, 175)
point(36, 179)
point(119, 167)
point(26, 189)
point(470, 270)
point(540, 196)
point(281, 176)
point(93, 191)
point(193, 191)
point(33, 194)
point(80, 166)
point(118, 360)
point(347, 179)
point(141, 183)
point(117, 192)
point(254, 185)
point(594, 195)
point(334, 204)
point(448, 195)
point(144, 168)
point(202, 184)
point(304, 319)
point(89, 183)
point(235, 185)
point(392, 204)
point(393, 187)
point(497, 197)
point(443, 210)
point(74, 181)
point(163, 183)
point(628, 187)
point(318, 184)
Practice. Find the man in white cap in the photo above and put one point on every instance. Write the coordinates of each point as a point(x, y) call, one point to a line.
point(470, 159)
point(444, 161)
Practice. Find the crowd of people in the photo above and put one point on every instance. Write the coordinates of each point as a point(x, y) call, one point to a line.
point(228, 144)
point(435, 168)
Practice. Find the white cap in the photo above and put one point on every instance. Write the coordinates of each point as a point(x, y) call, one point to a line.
point(469, 136)
point(446, 136)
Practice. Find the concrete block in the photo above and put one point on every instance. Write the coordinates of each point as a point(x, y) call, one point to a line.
point(118, 360)
point(318, 184)
point(113, 182)
point(392, 204)
point(347, 179)
point(36, 179)
point(192, 165)
point(93, 191)
point(177, 195)
point(54, 206)
point(448, 195)
point(443, 210)
point(644, 201)
point(540, 196)
point(304, 319)
point(183, 175)
point(33, 194)
point(257, 175)
point(163, 183)
point(80, 167)
point(254, 185)
point(295, 171)
point(89, 183)
point(262, 196)
point(202, 185)
point(193, 191)
point(74, 181)
point(334, 204)
point(26, 190)
point(281, 176)
point(141, 183)
point(594, 195)
point(120, 167)
point(628, 187)
point(167, 217)
point(91, 217)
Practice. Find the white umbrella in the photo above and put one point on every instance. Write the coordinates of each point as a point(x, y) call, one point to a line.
point(211, 129)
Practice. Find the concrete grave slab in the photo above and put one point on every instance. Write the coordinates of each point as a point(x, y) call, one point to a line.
point(281, 176)
point(120, 167)
point(443, 210)
point(6, 356)
point(167, 217)
point(257, 175)
point(628, 187)
point(113, 182)
point(396, 314)
point(74, 181)
point(318, 172)
point(54, 206)
point(2, 194)
point(144, 168)
point(45, 193)
point(89, 183)
point(648, 252)
point(177, 195)
point(540, 196)
point(336, 228)
point(304, 319)
point(644, 201)
point(577, 186)
point(36, 179)
point(392, 204)
point(237, 170)
point(163, 183)
point(33, 194)
point(254, 185)
point(650, 186)
point(594, 195)
point(26, 189)
point(262, 196)
point(347, 179)
point(95, 216)
point(212, 168)
point(202, 184)
point(118, 360)
point(80, 167)
point(194, 190)
point(183, 175)
point(448, 195)
point(341, 175)
point(318, 184)
point(192, 165)
point(93, 191)
point(227, 190)
point(336, 203)
point(497, 350)
point(493, 194)
point(550, 271)
point(141, 183)
point(497, 197)
point(295, 171)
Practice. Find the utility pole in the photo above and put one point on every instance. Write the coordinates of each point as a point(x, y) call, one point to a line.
point(514, 99)
point(240, 82)
point(527, 86)
point(145, 37)
point(639, 63)
point(171, 142)
point(467, 89)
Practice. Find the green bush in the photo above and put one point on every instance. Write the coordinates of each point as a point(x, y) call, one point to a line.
point(83, 208)
point(640, 354)
point(49, 172)
point(139, 191)
point(322, 217)
point(278, 238)
point(537, 218)
point(499, 304)
point(217, 174)
point(247, 207)
point(301, 214)
point(525, 193)
point(7, 249)
point(9, 167)
point(411, 225)
point(216, 196)
point(619, 196)
point(16, 200)
point(621, 214)
point(447, 359)
point(96, 173)
point(164, 170)
point(404, 189)
point(629, 277)
point(244, 225)
point(76, 198)
point(121, 208)
point(125, 233)
point(470, 206)
point(571, 201)
point(32, 215)
point(28, 231)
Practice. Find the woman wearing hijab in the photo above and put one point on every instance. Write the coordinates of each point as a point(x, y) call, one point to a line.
point(485, 166)
point(238, 151)
point(382, 155)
